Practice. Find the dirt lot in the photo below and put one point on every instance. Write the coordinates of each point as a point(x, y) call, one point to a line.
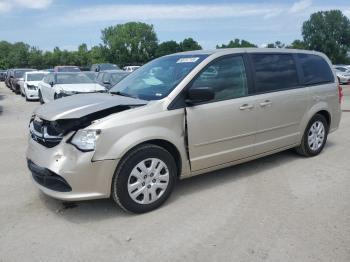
point(279, 208)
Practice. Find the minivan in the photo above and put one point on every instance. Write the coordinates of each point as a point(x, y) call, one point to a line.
point(182, 115)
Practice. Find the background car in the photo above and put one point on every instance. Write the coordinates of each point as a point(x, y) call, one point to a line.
point(17, 78)
point(61, 84)
point(102, 67)
point(2, 75)
point(110, 77)
point(130, 68)
point(343, 74)
point(9, 74)
point(29, 87)
point(66, 69)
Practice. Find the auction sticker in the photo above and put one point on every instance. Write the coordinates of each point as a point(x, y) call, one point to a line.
point(187, 60)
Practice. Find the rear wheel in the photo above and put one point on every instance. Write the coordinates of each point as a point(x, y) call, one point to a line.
point(144, 179)
point(315, 137)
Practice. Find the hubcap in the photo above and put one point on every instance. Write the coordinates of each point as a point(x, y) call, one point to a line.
point(316, 135)
point(148, 181)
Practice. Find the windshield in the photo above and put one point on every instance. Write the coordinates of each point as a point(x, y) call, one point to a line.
point(71, 78)
point(158, 78)
point(68, 69)
point(117, 77)
point(342, 69)
point(108, 67)
point(35, 77)
point(20, 73)
point(91, 75)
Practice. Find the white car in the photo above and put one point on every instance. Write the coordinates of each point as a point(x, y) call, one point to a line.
point(343, 74)
point(60, 84)
point(29, 85)
point(130, 68)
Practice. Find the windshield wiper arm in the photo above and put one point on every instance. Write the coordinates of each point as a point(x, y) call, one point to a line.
point(120, 93)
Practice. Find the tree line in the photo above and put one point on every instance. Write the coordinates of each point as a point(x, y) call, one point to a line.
point(137, 43)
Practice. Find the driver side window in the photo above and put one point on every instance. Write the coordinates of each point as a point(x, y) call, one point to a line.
point(227, 77)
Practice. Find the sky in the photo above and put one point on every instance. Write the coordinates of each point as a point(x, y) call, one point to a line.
point(68, 23)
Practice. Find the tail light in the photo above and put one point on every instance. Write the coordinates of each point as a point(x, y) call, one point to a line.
point(340, 93)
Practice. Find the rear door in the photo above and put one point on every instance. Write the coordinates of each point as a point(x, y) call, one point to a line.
point(281, 100)
point(222, 130)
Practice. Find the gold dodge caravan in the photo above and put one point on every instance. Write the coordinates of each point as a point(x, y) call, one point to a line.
point(182, 115)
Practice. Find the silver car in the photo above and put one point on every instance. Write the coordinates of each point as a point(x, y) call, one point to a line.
point(182, 115)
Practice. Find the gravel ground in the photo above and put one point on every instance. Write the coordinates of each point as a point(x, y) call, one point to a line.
point(278, 208)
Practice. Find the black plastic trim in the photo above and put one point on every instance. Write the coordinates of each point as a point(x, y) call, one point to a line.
point(47, 178)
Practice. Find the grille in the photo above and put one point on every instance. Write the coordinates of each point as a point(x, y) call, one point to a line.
point(44, 133)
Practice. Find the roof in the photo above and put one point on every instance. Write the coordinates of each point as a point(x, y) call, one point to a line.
point(245, 50)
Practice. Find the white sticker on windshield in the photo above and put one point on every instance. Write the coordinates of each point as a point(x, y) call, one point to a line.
point(187, 60)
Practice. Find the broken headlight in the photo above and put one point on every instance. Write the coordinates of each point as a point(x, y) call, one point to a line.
point(85, 139)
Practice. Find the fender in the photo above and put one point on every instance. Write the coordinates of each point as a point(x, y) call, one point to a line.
point(320, 106)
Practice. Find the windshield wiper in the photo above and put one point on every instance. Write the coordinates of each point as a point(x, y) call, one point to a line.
point(119, 93)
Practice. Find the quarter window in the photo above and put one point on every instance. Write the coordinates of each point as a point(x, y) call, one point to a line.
point(315, 69)
point(274, 72)
point(227, 77)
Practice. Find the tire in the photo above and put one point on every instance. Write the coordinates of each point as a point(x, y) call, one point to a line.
point(41, 100)
point(316, 144)
point(140, 199)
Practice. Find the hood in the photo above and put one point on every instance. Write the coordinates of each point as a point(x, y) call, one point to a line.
point(83, 88)
point(33, 83)
point(77, 106)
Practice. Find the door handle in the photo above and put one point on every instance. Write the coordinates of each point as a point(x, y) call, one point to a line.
point(246, 107)
point(266, 103)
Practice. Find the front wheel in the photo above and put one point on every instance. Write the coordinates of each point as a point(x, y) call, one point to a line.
point(144, 179)
point(315, 137)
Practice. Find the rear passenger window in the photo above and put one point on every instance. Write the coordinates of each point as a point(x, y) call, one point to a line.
point(315, 69)
point(274, 72)
point(227, 77)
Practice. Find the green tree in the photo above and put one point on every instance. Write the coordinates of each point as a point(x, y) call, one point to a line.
point(328, 32)
point(188, 44)
point(277, 44)
point(35, 58)
point(237, 44)
point(297, 44)
point(168, 47)
point(133, 42)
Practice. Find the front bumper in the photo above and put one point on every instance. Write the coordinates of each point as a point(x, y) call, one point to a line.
point(65, 173)
point(344, 79)
point(32, 94)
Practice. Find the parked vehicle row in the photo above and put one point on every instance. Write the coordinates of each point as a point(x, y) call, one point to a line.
point(48, 85)
point(178, 116)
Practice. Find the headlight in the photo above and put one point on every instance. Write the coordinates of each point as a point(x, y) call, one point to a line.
point(85, 139)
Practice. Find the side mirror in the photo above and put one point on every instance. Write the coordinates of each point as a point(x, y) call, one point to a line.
point(199, 94)
point(52, 84)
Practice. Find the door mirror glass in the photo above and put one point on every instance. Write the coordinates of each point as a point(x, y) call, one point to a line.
point(199, 94)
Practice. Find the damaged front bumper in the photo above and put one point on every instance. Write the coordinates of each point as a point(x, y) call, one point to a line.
point(65, 173)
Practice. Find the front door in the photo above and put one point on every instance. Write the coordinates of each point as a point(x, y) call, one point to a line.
point(222, 130)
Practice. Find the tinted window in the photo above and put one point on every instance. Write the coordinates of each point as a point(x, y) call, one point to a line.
point(315, 69)
point(274, 72)
point(226, 77)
